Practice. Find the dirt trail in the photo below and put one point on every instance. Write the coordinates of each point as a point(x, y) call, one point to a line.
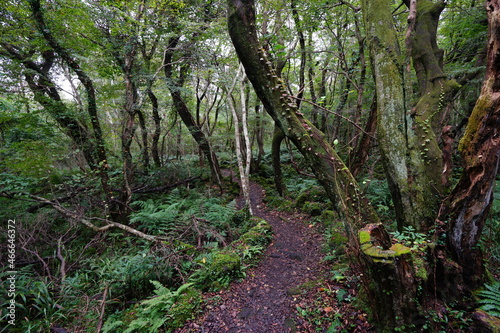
point(263, 302)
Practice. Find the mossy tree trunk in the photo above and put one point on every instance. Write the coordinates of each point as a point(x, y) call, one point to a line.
point(413, 158)
point(469, 203)
point(409, 139)
point(330, 170)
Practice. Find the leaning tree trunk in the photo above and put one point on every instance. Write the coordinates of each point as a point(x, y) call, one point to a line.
point(330, 170)
point(471, 199)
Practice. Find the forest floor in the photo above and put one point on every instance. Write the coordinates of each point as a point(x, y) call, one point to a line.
point(290, 290)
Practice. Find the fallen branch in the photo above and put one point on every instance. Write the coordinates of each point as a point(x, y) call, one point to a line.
point(110, 224)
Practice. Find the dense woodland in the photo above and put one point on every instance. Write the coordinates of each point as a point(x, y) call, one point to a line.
point(129, 128)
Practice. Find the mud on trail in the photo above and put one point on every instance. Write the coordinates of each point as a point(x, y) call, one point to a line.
point(267, 299)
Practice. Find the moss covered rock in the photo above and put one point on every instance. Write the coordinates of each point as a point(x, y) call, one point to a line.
point(313, 208)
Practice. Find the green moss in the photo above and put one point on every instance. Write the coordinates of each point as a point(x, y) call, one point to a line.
point(328, 217)
point(364, 237)
point(400, 249)
point(313, 208)
point(419, 266)
point(185, 308)
point(377, 253)
point(337, 239)
point(226, 264)
point(316, 194)
point(259, 234)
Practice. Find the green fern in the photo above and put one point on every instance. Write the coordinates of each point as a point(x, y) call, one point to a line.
point(153, 312)
point(490, 299)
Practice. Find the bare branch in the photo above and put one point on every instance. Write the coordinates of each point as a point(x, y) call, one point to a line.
point(110, 224)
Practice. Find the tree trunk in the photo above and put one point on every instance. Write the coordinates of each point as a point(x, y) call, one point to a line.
point(408, 142)
point(243, 157)
point(360, 154)
point(278, 137)
point(259, 135)
point(155, 137)
point(145, 145)
point(390, 271)
point(471, 199)
point(330, 170)
point(98, 151)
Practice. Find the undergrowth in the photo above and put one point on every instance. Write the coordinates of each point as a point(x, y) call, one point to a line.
point(122, 282)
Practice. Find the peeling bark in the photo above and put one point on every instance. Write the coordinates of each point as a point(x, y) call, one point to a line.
point(471, 199)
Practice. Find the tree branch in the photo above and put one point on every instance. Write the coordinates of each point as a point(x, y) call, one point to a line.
point(110, 224)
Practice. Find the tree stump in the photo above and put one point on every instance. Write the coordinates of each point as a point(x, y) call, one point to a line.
point(392, 288)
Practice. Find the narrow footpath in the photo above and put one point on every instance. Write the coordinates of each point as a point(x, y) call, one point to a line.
point(267, 299)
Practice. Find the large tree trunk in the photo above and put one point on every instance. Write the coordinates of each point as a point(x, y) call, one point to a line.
point(330, 170)
point(471, 199)
point(409, 141)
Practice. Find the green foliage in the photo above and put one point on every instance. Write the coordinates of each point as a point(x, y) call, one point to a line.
point(174, 214)
point(377, 191)
point(168, 309)
point(36, 309)
point(30, 146)
point(490, 298)
point(410, 237)
point(217, 270)
point(128, 275)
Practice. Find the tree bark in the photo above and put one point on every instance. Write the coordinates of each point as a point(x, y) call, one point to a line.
point(155, 137)
point(243, 152)
point(409, 142)
point(471, 199)
point(278, 137)
point(145, 145)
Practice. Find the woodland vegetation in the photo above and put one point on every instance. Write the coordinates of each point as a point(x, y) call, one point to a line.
point(121, 121)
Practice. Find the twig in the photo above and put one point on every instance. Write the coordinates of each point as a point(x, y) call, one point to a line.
point(103, 306)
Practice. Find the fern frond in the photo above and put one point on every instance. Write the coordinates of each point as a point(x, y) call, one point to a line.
point(490, 299)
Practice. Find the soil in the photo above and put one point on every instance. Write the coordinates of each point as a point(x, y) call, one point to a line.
point(290, 290)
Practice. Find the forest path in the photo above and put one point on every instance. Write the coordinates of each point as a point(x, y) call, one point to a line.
point(266, 300)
